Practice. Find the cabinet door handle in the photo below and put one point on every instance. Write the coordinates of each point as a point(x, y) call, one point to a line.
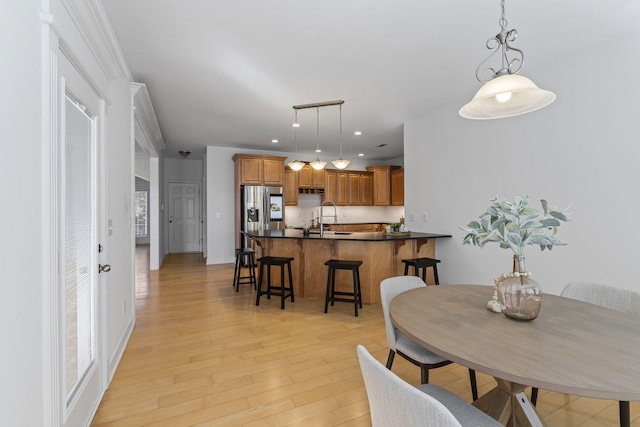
point(104, 268)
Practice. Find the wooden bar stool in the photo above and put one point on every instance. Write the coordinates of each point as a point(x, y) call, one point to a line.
point(356, 295)
point(422, 264)
point(244, 255)
point(284, 292)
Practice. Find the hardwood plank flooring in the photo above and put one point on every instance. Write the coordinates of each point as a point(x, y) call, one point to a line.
point(203, 355)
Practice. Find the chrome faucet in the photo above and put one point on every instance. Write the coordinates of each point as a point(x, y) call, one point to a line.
point(321, 220)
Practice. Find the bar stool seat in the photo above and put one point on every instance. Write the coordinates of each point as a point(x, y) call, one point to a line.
point(356, 295)
point(244, 255)
point(422, 264)
point(283, 292)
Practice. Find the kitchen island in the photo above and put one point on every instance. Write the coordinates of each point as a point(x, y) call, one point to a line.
point(381, 255)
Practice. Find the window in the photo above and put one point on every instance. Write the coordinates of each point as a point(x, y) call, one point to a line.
point(141, 213)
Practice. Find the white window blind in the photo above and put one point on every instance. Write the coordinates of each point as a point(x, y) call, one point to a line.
point(78, 244)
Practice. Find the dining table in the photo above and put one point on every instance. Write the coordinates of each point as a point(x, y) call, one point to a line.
point(572, 347)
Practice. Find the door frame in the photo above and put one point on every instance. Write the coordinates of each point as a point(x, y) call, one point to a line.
point(56, 409)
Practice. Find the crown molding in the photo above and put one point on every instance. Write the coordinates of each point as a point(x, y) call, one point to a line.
point(147, 130)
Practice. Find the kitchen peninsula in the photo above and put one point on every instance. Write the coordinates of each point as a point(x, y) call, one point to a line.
point(381, 254)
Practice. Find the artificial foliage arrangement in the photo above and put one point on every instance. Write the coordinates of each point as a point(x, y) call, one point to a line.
point(514, 225)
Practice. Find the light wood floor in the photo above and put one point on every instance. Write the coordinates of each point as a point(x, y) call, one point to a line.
point(202, 354)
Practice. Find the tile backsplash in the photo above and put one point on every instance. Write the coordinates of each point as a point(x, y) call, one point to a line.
point(309, 206)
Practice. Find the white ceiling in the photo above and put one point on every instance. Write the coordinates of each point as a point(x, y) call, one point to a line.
point(227, 72)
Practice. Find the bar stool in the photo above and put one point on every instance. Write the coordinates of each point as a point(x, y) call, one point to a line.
point(243, 254)
point(285, 292)
point(422, 263)
point(354, 266)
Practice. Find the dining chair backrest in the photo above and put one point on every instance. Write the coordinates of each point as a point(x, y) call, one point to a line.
point(622, 300)
point(393, 402)
point(389, 289)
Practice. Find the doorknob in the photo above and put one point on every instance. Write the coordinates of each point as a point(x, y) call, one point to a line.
point(106, 268)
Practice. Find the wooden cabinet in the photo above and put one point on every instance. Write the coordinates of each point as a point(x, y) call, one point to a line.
point(259, 170)
point(290, 187)
point(353, 196)
point(366, 189)
point(330, 185)
point(308, 177)
point(273, 172)
point(342, 189)
point(382, 184)
point(397, 187)
point(360, 189)
point(353, 188)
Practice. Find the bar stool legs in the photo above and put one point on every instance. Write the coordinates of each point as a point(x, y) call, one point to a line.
point(330, 295)
point(243, 254)
point(422, 264)
point(284, 292)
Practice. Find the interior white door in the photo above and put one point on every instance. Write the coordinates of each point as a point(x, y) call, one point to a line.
point(184, 217)
point(81, 379)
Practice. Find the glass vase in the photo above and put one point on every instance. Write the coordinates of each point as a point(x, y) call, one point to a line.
point(519, 296)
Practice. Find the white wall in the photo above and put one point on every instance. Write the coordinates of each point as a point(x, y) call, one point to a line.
point(120, 245)
point(22, 255)
point(581, 151)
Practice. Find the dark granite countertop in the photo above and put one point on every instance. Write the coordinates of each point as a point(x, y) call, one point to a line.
point(290, 233)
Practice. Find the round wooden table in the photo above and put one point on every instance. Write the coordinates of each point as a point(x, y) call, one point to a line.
point(572, 347)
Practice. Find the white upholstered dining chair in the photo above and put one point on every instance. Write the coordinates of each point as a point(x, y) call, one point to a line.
point(400, 343)
point(394, 402)
point(622, 300)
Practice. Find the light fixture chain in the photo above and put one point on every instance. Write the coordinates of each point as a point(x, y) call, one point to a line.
point(500, 43)
point(503, 20)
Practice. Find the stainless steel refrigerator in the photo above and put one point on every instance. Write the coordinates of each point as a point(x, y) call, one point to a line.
point(261, 208)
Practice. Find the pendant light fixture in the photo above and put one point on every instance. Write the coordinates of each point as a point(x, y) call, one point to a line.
point(296, 164)
point(341, 163)
point(504, 93)
point(318, 164)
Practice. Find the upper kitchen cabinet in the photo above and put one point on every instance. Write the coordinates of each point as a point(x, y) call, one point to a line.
point(290, 187)
point(382, 184)
point(360, 189)
point(259, 170)
point(309, 177)
point(397, 187)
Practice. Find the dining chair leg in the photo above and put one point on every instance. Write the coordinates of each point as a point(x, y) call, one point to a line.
point(392, 354)
point(424, 375)
point(534, 395)
point(474, 384)
point(625, 416)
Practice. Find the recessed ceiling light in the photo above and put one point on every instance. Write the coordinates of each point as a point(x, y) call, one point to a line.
point(361, 154)
point(358, 133)
point(295, 125)
point(275, 141)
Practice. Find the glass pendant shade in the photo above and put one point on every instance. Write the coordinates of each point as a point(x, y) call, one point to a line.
point(341, 163)
point(506, 96)
point(296, 165)
point(318, 164)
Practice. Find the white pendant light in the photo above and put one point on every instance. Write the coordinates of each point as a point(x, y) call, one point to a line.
point(318, 164)
point(340, 162)
point(505, 94)
point(296, 164)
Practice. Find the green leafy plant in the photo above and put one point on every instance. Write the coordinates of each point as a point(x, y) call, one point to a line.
point(515, 225)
